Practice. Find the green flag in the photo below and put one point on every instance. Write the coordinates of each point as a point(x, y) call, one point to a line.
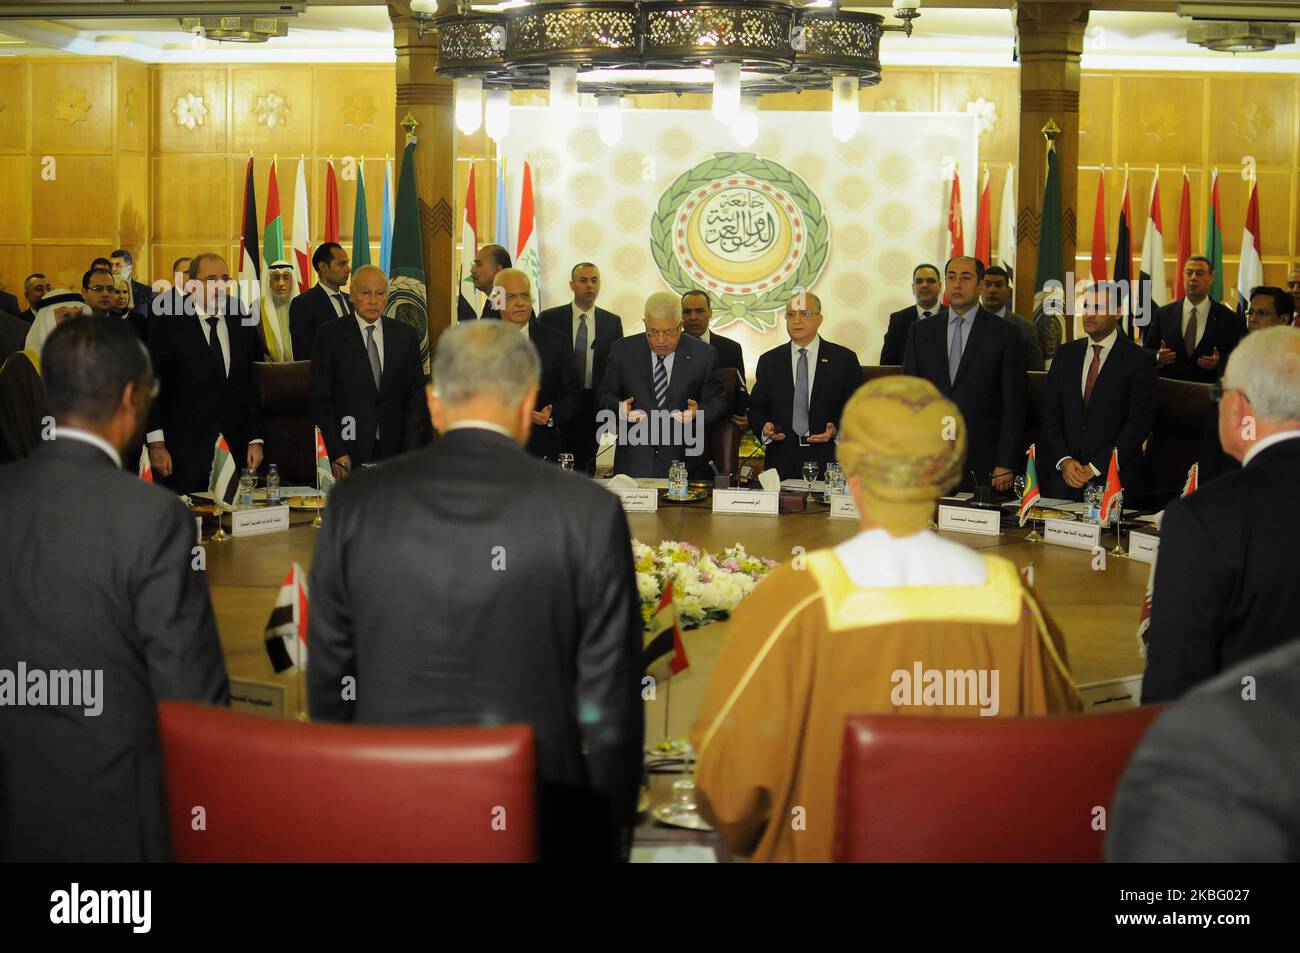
point(1214, 239)
point(1049, 308)
point(407, 299)
point(360, 224)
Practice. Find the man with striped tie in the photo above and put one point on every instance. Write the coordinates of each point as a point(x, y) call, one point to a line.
point(660, 394)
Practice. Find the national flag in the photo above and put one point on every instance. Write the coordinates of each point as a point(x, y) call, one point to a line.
point(1032, 491)
point(1049, 281)
point(1007, 224)
point(1184, 234)
point(984, 223)
point(223, 479)
point(407, 295)
point(469, 300)
point(527, 258)
point(1098, 244)
point(1123, 260)
point(303, 273)
point(386, 222)
point(286, 629)
point(146, 469)
point(956, 236)
point(331, 203)
point(324, 472)
point(1214, 238)
point(250, 258)
point(360, 222)
point(1250, 274)
point(1193, 478)
point(273, 250)
point(502, 231)
point(1113, 489)
point(1144, 618)
point(663, 654)
point(1152, 270)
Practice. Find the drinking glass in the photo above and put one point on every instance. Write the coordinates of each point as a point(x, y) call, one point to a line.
point(810, 471)
point(566, 461)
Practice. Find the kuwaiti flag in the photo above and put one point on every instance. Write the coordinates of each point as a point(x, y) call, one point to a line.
point(324, 472)
point(1032, 490)
point(527, 258)
point(386, 221)
point(223, 479)
point(1152, 270)
point(1113, 488)
point(469, 300)
point(360, 221)
point(286, 629)
point(146, 469)
point(1007, 224)
point(1193, 478)
point(302, 271)
point(273, 250)
point(663, 654)
point(331, 203)
point(1214, 238)
point(1123, 261)
point(1251, 272)
point(1184, 233)
point(250, 258)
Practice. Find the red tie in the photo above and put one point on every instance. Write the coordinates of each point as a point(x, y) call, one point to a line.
point(1093, 370)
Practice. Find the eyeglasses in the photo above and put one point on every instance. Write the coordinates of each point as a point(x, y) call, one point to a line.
point(663, 335)
point(517, 298)
point(791, 315)
point(1261, 313)
point(100, 289)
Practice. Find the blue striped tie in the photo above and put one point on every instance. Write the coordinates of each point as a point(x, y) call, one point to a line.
point(661, 381)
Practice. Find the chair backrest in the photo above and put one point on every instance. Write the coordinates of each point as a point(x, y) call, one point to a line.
point(724, 436)
point(1034, 413)
point(288, 429)
point(275, 790)
point(871, 371)
point(913, 788)
point(1185, 416)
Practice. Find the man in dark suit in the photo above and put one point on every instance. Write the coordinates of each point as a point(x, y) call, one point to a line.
point(660, 394)
point(978, 361)
point(557, 391)
point(8, 303)
point(697, 312)
point(367, 381)
point(1213, 780)
point(925, 288)
point(1101, 395)
point(800, 390)
point(203, 359)
point(1270, 307)
point(1224, 581)
point(489, 260)
point(141, 294)
point(111, 598)
point(590, 331)
point(455, 585)
point(35, 287)
point(1193, 336)
point(995, 296)
point(13, 335)
point(322, 303)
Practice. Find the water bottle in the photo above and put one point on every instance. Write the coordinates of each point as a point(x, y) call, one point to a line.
point(833, 478)
point(244, 495)
point(272, 486)
point(677, 480)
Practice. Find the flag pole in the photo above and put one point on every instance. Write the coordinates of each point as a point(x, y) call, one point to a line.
point(220, 536)
point(1119, 549)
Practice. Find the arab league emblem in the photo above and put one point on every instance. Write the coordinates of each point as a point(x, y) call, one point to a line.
point(746, 230)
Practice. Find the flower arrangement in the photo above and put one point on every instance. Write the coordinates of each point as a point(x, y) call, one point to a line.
point(706, 586)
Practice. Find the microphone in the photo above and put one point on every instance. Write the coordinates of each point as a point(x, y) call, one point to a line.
point(746, 474)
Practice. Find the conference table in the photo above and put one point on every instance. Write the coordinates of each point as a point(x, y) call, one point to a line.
point(1096, 610)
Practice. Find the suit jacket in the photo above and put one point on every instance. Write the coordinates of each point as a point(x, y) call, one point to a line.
point(1224, 586)
point(141, 300)
point(1120, 414)
point(1214, 779)
point(991, 388)
point(730, 354)
point(29, 315)
point(1223, 331)
point(837, 376)
point(194, 404)
point(558, 388)
point(1029, 340)
point(609, 328)
point(900, 323)
point(648, 450)
point(8, 303)
point(13, 334)
point(342, 385)
point(79, 788)
point(489, 312)
point(436, 635)
point(307, 313)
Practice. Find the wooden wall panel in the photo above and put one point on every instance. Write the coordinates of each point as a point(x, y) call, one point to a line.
point(65, 263)
point(1000, 91)
point(133, 107)
point(1096, 121)
point(1159, 118)
point(353, 109)
point(208, 86)
point(133, 209)
point(272, 109)
point(72, 105)
point(77, 203)
point(1252, 116)
point(15, 264)
point(14, 197)
point(191, 197)
point(13, 97)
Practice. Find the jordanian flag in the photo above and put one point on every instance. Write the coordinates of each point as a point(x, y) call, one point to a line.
point(360, 223)
point(407, 298)
point(286, 629)
point(1051, 266)
point(324, 472)
point(663, 654)
point(1032, 491)
point(1214, 238)
point(223, 480)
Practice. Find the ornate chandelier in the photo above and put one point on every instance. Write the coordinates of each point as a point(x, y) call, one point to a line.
point(737, 49)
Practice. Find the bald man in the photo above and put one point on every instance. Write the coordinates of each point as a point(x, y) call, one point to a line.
point(490, 260)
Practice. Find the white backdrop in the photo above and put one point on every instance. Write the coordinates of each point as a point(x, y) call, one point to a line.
point(885, 194)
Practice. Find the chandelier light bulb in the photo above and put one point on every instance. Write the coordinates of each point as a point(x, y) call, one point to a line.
point(844, 107)
point(497, 114)
point(469, 105)
point(907, 4)
point(564, 97)
point(745, 127)
point(424, 6)
point(726, 92)
point(609, 119)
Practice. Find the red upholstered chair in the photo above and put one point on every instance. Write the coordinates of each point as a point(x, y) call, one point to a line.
point(913, 788)
point(274, 790)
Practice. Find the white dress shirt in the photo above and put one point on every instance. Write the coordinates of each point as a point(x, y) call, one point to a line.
point(932, 310)
point(94, 439)
point(337, 300)
point(480, 425)
point(587, 382)
point(707, 336)
point(362, 323)
point(1107, 344)
point(875, 560)
point(1268, 441)
point(1202, 317)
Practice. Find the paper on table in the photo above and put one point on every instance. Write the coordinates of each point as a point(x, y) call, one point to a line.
point(818, 486)
point(1068, 506)
point(299, 491)
point(677, 854)
point(621, 482)
point(770, 481)
point(960, 497)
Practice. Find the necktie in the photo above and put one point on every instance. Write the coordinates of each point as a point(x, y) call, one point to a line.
point(925, 314)
point(1189, 336)
point(801, 394)
point(1093, 370)
point(373, 350)
point(214, 347)
point(661, 381)
point(580, 352)
point(954, 350)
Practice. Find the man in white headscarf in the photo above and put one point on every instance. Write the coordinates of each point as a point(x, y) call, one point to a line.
point(279, 290)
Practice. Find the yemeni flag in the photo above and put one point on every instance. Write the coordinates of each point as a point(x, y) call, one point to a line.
point(1123, 261)
point(468, 301)
point(286, 629)
point(146, 469)
point(386, 222)
point(1193, 478)
point(663, 654)
point(1184, 234)
point(303, 273)
point(1250, 274)
point(331, 203)
point(360, 222)
point(1113, 488)
point(1214, 238)
point(1007, 224)
point(1152, 270)
point(1032, 490)
point(250, 258)
point(407, 297)
point(223, 479)
point(273, 249)
point(527, 258)
point(324, 472)
point(1049, 281)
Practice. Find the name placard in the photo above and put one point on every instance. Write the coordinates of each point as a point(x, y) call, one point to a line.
point(258, 698)
point(962, 519)
point(1143, 546)
point(843, 507)
point(268, 519)
point(1073, 534)
point(641, 500)
point(746, 501)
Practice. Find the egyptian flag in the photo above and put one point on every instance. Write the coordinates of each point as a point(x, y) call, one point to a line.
point(1251, 272)
point(1113, 488)
point(286, 629)
point(1032, 490)
point(1123, 261)
point(1192, 478)
point(664, 655)
point(324, 472)
point(468, 299)
point(146, 470)
point(223, 480)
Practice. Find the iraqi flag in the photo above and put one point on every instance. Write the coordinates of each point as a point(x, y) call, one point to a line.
point(286, 629)
point(663, 654)
point(146, 469)
point(1111, 496)
point(324, 472)
point(250, 257)
point(302, 270)
point(527, 258)
point(467, 302)
point(1152, 270)
point(331, 203)
point(223, 479)
point(1032, 490)
point(1251, 273)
